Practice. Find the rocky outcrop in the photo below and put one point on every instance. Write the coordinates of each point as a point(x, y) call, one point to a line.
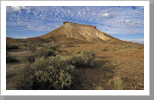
point(75, 24)
point(78, 32)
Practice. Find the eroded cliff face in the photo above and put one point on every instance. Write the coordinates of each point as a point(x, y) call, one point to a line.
point(82, 32)
point(87, 32)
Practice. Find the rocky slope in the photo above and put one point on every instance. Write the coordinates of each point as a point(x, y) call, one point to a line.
point(75, 33)
point(70, 32)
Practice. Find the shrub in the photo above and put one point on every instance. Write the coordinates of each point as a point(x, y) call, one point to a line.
point(11, 46)
point(116, 83)
point(140, 47)
point(83, 59)
point(40, 45)
point(32, 48)
point(105, 49)
point(69, 45)
point(23, 44)
point(109, 66)
point(39, 53)
point(54, 47)
point(10, 59)
point(30, 58)
point(45, 52)
point(99, 88)
point(45, 73)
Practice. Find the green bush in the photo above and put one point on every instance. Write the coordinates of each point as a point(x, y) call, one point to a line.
point(54, 47)
point(45, 74)
point(116, 83)
point(30, 58)
point(11, 46)
point(10, 59)
point(109, 66)
point(32, 48)
point(39, 53)
point(45, 52)
point(40, 45)
point(105, 49)
point(83, 59)
point(69, 45)
point(51, 46)
point(23, 44)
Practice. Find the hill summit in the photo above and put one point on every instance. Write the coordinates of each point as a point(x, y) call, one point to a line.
point(79, 33)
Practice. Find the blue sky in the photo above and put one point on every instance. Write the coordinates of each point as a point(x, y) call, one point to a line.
point(123, 22)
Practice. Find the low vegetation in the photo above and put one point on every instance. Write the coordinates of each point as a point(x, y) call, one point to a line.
point(39, 53)
point(115, 84)
point(32, 48)
point(83, 59)
point(10, 59)
point(30, 58)
point(45, 66)
point(11, 47)
point(45, 73)
point(105, 49)
point(45, 52)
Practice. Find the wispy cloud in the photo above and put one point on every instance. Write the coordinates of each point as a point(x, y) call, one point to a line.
point(14, 8)
point(112, 20)
point(106, 15)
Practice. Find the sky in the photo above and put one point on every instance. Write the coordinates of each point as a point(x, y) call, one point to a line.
point(122, 22)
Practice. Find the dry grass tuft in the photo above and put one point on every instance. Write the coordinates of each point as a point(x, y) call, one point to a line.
point(116, 83)
point(99, 88)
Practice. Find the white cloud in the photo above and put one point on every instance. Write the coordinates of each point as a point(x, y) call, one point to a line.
point(112, 20)
point(105, 14)
point(127, 21)
point(17, 8)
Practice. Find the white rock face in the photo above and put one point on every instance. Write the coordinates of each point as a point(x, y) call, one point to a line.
point(102, 36)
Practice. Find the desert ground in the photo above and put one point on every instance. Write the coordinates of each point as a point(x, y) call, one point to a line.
point(115, 66)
